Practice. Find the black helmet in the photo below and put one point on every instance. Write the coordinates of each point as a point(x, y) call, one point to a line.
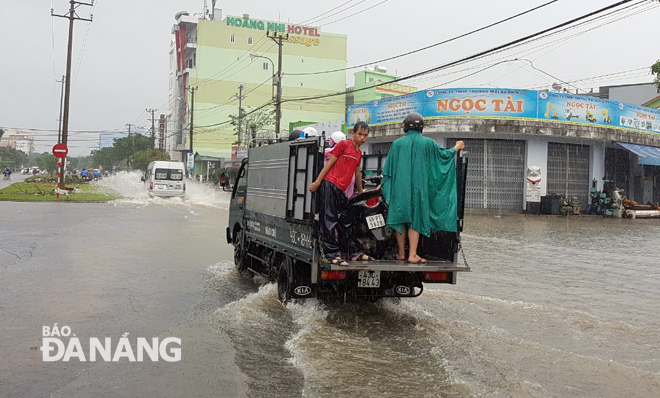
point(414, 121)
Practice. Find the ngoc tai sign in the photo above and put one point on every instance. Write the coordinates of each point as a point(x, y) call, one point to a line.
point(508, 104)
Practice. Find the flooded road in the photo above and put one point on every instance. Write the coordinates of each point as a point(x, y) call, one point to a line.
point(554, 307)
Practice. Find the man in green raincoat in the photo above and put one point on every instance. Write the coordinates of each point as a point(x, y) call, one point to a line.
point(419, 185)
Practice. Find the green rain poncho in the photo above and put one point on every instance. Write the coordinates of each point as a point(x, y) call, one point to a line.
point(419, 185)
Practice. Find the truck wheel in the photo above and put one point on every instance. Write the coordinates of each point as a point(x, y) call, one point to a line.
point(285, 281)
point(240, 255)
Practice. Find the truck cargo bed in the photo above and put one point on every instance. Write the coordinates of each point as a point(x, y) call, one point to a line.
point(394, 265)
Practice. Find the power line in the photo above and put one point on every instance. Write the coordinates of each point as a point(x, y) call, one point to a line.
point(564, 39)
point(471, 57)
point(430, 46)
point(317, 18)
point(352, 15)
point(84, 44)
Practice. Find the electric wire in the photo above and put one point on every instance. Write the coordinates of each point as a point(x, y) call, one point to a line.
point(354, 14)
point(474, 56)
point(429, 46)
point(84, 44)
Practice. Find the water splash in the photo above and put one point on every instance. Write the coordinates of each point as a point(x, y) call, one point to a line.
point(134, 191)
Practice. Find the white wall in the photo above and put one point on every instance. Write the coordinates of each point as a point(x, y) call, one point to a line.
point(536, 154)
point(597, 164)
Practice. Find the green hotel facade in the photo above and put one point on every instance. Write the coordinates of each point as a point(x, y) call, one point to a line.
point(220, 58)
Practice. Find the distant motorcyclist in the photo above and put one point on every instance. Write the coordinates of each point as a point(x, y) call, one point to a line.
point(7, 173)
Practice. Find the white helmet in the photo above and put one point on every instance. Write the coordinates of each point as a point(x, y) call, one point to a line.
point(337, 137)
point(310, 132)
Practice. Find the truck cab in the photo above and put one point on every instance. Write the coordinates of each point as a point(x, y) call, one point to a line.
point(273, 226)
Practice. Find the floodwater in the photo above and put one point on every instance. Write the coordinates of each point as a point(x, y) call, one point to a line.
point(553, 307)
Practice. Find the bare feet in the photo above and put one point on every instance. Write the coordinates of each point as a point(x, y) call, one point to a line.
point(416, 259)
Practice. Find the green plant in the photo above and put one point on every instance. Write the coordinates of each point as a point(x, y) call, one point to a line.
point(655, 70)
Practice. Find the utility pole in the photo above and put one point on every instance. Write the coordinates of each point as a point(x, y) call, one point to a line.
point(129, 125)
point(153, 128)
point(192, 112)
point(59, 125)
point(277, 38)
point(240, 97)
point(67, 90)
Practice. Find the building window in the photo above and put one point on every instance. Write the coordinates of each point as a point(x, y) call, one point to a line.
point(371, 79)
point(249, 40)
point(232, 38)
point(265, 65)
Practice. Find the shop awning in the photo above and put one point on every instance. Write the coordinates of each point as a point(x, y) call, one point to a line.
point(648, 155)
point(207, 157)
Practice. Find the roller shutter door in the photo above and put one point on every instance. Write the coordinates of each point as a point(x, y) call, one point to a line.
point(496, 176)
point(568, 171)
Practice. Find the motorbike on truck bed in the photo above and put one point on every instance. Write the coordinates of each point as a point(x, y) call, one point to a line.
point(273, 226)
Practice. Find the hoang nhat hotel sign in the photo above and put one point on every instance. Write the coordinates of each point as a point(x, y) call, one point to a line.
point(309, 36)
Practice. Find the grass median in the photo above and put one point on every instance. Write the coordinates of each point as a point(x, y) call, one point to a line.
point(46, 192)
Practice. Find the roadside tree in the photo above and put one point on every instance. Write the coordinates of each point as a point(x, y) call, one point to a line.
point(104, 157)
point(140, 160)
point(125, 147)
point(46, 161)
point(655, 70)
point(258, 122)
point(13, 158)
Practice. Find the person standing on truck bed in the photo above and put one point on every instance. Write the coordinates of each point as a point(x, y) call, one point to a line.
point(419, 185)
point(341, 168)
point(336, 138)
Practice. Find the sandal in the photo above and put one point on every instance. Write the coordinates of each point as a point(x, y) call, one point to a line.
point(362, 257)
point(338, 261)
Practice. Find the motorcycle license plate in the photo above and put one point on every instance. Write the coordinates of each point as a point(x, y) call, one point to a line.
point(375, 221)
point(368, 278)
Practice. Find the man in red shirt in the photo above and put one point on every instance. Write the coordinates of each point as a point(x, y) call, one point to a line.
point(344, 163)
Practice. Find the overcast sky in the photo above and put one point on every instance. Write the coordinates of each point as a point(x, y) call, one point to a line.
point(120, 61)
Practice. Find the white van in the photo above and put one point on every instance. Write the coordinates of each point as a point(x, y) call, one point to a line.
point(165, 179)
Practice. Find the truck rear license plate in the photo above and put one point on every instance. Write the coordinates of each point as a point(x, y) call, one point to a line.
point(368, 278)
point(375, 221)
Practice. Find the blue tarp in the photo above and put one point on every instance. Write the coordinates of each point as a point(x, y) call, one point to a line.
point(648, 155)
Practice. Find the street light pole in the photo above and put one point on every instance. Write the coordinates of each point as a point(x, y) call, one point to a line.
point(272, 64)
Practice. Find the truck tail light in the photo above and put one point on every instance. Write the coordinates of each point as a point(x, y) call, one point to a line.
point(151, 185)
point(436, 276)
point(184, 186)
point(332, 275)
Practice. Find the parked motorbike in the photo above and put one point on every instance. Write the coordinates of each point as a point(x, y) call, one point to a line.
point(369, 213)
